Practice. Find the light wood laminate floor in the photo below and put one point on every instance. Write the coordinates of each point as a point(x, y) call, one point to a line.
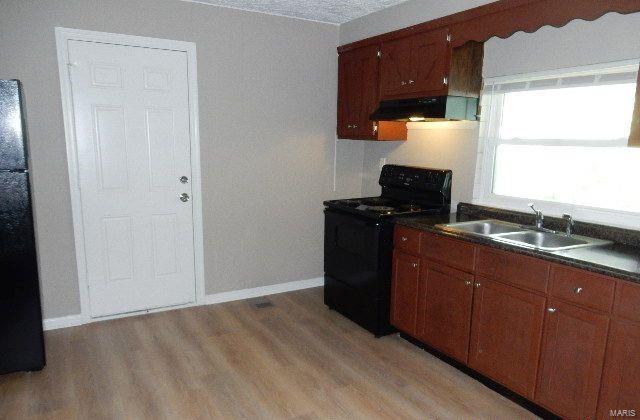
point(295, 359)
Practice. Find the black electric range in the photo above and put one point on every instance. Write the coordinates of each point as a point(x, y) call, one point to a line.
point(358, 241)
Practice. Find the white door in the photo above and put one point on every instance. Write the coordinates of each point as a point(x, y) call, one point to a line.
point(131, 109)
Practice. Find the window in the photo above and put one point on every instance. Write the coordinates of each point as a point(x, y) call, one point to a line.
point(561, 138)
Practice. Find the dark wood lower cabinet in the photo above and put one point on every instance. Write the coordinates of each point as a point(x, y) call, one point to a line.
point(404, 291)
point(621, 376)
point(571, 361)
point(445, 316)
point(505, 334)
point(571, 349)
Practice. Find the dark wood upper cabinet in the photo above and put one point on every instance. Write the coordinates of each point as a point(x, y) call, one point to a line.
point(357, 95)
point(358, 81)
point(506, 333)
point(573, 348)
point(444, 318)
point(415, 66)
point(404, 291)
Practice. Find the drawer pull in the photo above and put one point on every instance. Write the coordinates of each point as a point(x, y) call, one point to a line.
point(404, 239)
point(551, 310)
point(414, 265)
point(577, 290)
point(467, 283)
point(477, 285)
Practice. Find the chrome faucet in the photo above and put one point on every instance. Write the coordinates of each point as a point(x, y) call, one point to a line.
point(539, 216)
point(569, 219)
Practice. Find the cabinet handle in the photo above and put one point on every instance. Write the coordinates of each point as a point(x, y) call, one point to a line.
point(404, 239)
point(403, 83)
point(355, 125)
point(467, 283)
point(411, 82)
point(348, 125)
point(445, 80)
point(577, 290)
point(551, 310)
point(477, 285)
point(414, 265)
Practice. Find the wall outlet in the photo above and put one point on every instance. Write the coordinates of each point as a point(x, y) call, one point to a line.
point(383, 161)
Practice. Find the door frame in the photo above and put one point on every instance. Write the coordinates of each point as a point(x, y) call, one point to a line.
point(63, 36)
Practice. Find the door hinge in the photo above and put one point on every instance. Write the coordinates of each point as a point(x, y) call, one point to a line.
point(379, 54)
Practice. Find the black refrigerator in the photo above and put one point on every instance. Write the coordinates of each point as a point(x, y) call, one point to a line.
point(21, 336)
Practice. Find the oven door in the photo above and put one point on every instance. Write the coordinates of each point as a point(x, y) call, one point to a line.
point(357, 251)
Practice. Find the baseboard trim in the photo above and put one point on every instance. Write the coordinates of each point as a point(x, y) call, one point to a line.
point(262, 291)
point(62, 322)
point(77, 319)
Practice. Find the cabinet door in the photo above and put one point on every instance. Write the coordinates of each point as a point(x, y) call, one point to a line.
point(506, 332)
point(573, 346)
point(620, 385)
point(415, 66)
point(429, 63)
point(445, 318)
point(357, 92)
point(395, 67)
point(404, 291)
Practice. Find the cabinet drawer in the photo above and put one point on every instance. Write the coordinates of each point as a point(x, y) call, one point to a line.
point(627, 301)
point(451, 252)
point(519, 270)
point(407, 239)
point(581, 287)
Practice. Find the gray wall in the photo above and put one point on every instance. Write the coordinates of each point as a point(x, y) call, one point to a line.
point(455, 145)
point(267, 89)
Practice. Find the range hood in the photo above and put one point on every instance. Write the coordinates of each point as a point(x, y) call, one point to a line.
point(437, 108)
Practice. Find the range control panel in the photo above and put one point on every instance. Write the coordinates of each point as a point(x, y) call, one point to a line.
point(415, 178)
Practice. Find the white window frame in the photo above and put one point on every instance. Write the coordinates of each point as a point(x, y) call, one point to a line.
point(489, 140)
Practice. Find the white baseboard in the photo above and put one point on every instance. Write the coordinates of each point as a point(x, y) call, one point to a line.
point(77, 319)
point(262, 291)
point(62, 322)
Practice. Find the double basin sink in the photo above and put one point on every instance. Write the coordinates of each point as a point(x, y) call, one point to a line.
point(524, 236)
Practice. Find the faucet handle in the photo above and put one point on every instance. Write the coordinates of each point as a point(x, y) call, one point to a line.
point(533, 207)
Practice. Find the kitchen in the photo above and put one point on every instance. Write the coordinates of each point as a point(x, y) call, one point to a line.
point(262, 182)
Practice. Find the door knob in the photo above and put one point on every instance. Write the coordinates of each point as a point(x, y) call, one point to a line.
point(184, 179)
point(184, 197)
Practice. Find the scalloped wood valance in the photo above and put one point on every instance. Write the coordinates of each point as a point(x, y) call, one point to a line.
point(505, 17)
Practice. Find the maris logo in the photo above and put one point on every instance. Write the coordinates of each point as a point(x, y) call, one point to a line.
point(622, 413)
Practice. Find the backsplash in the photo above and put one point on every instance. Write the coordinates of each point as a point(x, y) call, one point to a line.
point(615, 234)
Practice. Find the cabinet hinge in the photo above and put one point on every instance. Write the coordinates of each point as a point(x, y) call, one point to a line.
point(379, 54)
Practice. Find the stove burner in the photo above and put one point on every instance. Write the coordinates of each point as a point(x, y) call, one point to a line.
point(375, 201)
point(350, 202)
point(381, 209)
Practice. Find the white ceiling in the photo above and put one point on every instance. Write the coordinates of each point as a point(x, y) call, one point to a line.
point(329, 11)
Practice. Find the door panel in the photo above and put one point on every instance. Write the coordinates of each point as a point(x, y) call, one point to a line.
point(506, 354)
point(357, 92)
point(131, 110)
point(445, 319)
point(395, 67)
point(404, 291)
point(430, 58)
point(620, 386)
point(573, 347)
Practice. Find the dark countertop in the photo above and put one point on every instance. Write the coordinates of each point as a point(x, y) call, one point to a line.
point(616, 260)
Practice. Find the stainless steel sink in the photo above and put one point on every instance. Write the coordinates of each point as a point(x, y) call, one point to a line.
point(549, 241)
point(522, 235)
point(483, 227)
